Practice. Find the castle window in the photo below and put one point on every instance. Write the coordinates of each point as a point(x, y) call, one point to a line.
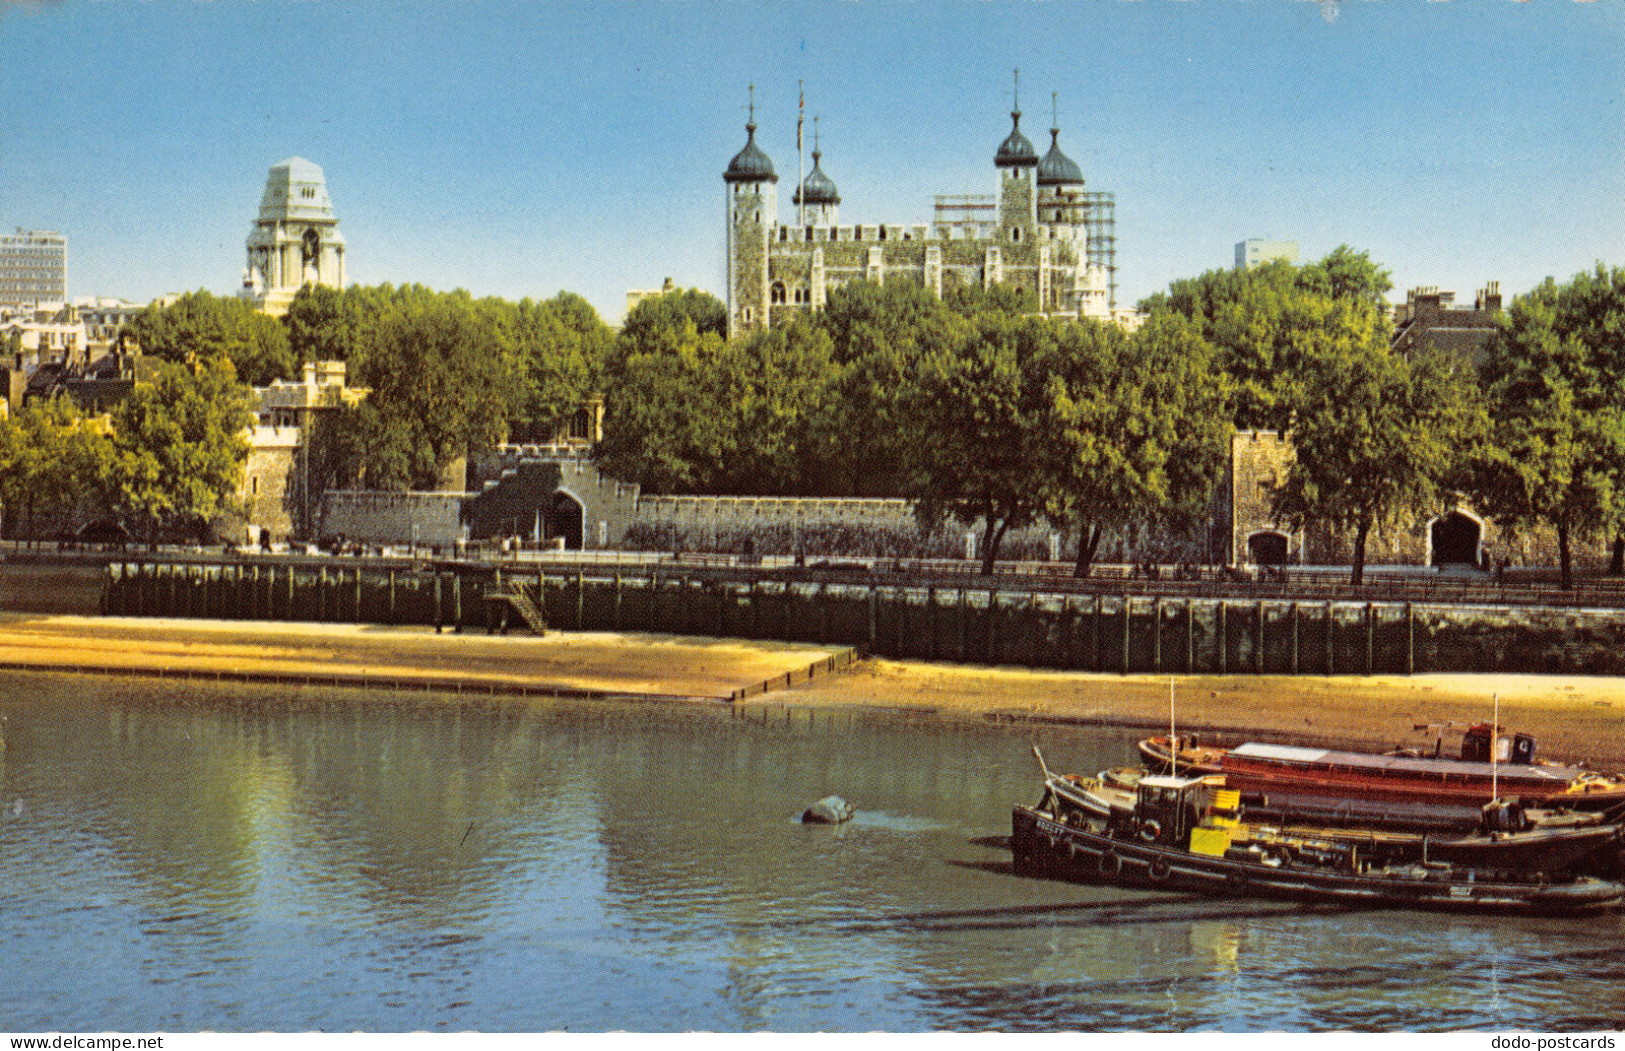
point(882, 233)
point(857, 233)
point(784, 233)
point(1015, 233)
point(776, 293)
point(758, 216)
point(744, 315)
point(809, 233)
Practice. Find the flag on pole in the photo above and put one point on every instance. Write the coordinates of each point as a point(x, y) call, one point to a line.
point(801, 114)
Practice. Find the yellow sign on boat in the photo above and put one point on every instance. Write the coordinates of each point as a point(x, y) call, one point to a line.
point(1212, 842)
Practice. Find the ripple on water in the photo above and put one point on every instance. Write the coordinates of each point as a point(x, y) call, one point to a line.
point(227, 858)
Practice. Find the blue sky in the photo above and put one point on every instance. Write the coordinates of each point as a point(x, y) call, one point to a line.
point(522, 148)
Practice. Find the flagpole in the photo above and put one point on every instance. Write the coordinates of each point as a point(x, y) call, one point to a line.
point(801, 163)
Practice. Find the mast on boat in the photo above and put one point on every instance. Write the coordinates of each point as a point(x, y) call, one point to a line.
point(1173, 742)
point(1495, 752)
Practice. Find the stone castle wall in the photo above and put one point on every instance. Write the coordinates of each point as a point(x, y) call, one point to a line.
point(393, 518)
point(1259, 460)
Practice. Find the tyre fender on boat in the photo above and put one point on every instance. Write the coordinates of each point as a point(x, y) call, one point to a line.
point(1150, 829)
point(1159, 870)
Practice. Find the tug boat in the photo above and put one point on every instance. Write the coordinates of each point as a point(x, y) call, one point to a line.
point(1507, 836)
point(1185, 834)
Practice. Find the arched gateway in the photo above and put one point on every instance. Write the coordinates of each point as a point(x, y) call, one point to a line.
point(1455, 539)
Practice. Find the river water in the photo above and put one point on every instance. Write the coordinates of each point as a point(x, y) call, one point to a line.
point(183, 857)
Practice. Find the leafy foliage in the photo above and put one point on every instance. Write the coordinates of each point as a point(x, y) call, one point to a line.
point(1137, 430)
point(54, 463)
point(449, 374)
point(1555, 377)
point(1263, 322)
point(1376, 433)
point(178, 448)
point(202, 325)
point(982, 398)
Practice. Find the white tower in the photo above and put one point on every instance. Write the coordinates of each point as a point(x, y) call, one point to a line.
point(295, 240)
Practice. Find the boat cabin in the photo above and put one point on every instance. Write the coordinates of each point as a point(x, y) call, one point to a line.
point(1167, 807)
point(1519, 749)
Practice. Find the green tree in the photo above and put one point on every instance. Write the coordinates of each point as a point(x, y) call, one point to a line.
point(970, 300)
point(982, 399)
point(1376, 434)
point(663, 427)
point(1263, 321)
point(202, 325)
point(879, 336)
point(1555, 376)
point(437, 374)
point(556, 352)
point(1348, 275)
point(1137, 430)
point(670, 311)
point(775, 391)
point(322, 324)
point(178, 448)
point(53, 465)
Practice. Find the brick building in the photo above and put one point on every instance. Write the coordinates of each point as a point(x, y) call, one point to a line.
point(1430, 316)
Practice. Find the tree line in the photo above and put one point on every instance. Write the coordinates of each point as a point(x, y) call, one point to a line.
point(970, 405)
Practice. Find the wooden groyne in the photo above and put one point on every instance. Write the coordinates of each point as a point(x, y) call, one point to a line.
point(984, 625)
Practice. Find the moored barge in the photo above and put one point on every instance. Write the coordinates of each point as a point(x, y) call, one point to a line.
point(1174, 839)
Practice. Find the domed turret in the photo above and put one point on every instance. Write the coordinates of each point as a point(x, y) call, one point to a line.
point(1057, 169)
point(819, 188)
point(750, 164)
point(1015, 151)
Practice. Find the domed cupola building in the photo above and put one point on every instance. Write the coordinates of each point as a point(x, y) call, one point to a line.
point(817, 199)
point(1039, 230)
point(1057, 169)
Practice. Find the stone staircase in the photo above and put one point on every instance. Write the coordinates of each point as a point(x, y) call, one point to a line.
point(517, 597)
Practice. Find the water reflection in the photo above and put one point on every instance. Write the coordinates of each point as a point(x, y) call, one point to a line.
point(238, 858)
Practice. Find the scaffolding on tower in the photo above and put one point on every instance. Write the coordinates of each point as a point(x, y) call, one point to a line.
point(971, 214)
point(1100, 221)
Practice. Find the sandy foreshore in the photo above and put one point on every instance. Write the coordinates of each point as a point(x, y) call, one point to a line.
point(1574, 717)
point(580, 662)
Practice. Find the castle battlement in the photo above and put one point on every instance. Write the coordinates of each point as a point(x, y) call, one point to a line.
point(1041, 231)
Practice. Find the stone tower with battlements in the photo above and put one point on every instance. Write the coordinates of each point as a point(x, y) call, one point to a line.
point(1041, 230)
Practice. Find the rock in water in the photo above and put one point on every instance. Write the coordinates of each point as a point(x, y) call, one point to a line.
point(831, 810)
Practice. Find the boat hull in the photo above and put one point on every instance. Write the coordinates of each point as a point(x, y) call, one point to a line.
point(1291, 784)
point(1044, 846)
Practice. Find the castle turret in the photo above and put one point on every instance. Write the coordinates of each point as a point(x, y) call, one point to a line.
point(1017, 162)
point(1061, 209)
point(753, 208)
point(818, 192)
